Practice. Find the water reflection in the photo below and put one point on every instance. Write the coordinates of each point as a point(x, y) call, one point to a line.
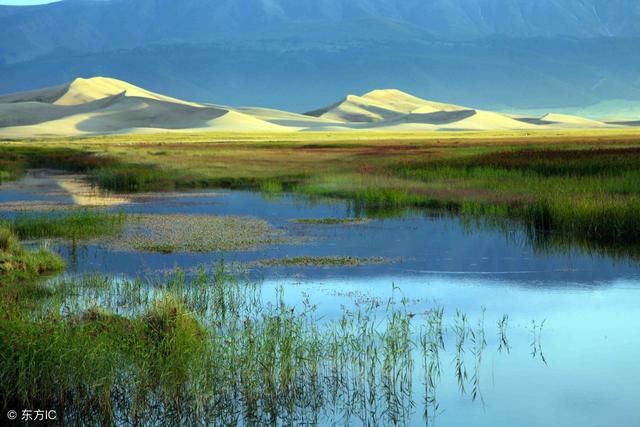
point(357, 369)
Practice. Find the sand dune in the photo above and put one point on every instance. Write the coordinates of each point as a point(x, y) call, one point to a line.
point(103, 105)
point(377, 105)
point(566, 119)
point(456, 121)
point(81, 91)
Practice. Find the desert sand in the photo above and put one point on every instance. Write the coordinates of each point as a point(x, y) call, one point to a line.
point(102, 105)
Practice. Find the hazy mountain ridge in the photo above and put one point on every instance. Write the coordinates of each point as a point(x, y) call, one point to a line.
point(497, 74)
point(94, 25)
point(497, 54)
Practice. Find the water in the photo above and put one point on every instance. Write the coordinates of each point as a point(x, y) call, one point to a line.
point(587, 374)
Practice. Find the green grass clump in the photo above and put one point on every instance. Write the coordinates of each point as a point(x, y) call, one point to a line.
point(26, 264)
point(8, 241)
point(133, 177)
point(596, 218)
point(77, 225)
point(18, 264)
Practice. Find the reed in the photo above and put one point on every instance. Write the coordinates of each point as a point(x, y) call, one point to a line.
point(76, 225)
point(211, 349)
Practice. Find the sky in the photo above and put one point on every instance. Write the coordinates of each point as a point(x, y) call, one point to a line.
point(25, 2)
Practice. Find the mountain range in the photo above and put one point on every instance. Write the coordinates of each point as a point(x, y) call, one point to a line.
point(103, 105)
point(296, 54)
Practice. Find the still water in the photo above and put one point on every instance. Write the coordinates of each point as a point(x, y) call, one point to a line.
point(578, 369)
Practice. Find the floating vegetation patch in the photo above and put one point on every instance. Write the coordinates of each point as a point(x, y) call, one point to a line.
point(195, 233)
point(34, 206)
point(342, 261)
point(331, 221)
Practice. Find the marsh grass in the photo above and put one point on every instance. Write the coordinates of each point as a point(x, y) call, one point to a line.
point(575, 190)
point(503, 341)
point(591, 195)
point(213, 350)
point(18, 264)
point(194, 233)
point(77, 225)
point(132, 178)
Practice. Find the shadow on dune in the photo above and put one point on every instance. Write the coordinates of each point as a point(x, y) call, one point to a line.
point(36, 112)
point(135, 112)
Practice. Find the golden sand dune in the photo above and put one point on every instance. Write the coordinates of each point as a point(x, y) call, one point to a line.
point(378, 105)
point(566, 119)
point(103, 105)
point(81, 91)
point(464, 119)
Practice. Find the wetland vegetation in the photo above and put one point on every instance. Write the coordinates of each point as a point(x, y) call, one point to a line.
point(195, 233)
point(214, 349)
point(323, 261)
point(82, 224)
point(330, 221)
point(571, 186)
point(17, 263)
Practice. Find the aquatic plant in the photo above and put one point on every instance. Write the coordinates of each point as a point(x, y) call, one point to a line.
point(503, 341)
point(330, 221)
point(432, 343)
point(76, 225)
point(211, 349)
point(461, 330)
point(17, 264)
point(194, 233)
point(321, 261)
point(536, 340)
point(478, 344)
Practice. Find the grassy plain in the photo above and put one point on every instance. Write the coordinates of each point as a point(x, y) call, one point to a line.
point(581, 185)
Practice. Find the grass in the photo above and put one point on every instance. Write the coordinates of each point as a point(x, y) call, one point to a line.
point(18, 264)
point(76, 225)
point(325, 261)
point(209, 350)
point(576, 187)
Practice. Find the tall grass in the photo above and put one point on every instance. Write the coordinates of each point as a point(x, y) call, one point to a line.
point(212, 350)
point(18, 264)
point(76, 225)
point(585, 193)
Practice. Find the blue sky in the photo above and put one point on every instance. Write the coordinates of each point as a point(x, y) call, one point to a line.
point(24, 2)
